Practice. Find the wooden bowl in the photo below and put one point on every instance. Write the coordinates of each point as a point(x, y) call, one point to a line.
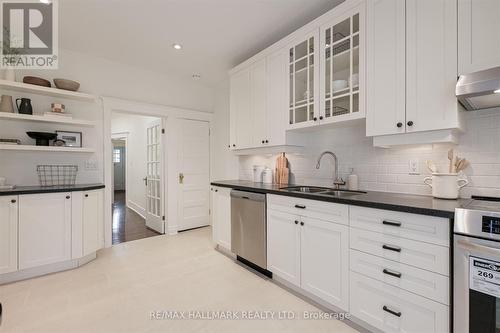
point(67, 84)
point(38, 81)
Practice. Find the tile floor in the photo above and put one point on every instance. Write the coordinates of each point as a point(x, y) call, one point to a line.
point(118, 291)
point(127, 224)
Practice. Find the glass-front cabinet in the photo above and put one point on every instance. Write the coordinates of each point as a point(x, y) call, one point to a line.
point(342, 70)
point(303, 73)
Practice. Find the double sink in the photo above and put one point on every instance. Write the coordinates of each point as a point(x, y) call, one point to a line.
point(331, 192)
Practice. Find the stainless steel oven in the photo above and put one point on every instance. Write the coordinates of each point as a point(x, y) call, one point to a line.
point(476, 286)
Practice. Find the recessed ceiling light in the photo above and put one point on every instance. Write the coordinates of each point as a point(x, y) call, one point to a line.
point(177, 46)
point(196, 76)
point(497, 91)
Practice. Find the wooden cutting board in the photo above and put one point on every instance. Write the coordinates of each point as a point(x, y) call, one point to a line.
point(282, 171)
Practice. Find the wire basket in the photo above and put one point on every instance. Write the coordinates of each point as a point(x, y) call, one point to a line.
point(57, 175)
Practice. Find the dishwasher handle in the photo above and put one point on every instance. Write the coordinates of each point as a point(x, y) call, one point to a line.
point(237, 194)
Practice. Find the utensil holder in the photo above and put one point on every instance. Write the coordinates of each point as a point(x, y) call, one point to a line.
point(445, 185)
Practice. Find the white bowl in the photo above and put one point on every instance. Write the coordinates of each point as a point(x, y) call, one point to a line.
point(339, 85)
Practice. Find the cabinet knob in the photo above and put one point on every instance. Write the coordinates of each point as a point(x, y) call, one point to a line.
point(320, 117)
point(315, 119)
point(263, 141)
point(410, 123)
point(296, 222)
point(86, 195)
point(228, 146)
point(267, 141)
point(13, 201)
point(301, 223)
point(68, 197)
point(216, 190)
point(399, 125)
point(234, 145)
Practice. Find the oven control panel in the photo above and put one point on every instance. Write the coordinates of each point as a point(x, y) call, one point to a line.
point(491, 224)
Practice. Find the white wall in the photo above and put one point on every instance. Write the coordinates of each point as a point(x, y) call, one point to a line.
point(103, 78)
point(382, 169)
point(136, 127)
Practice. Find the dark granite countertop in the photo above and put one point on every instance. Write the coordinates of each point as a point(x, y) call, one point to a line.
point(50, 189)
point(408, 203)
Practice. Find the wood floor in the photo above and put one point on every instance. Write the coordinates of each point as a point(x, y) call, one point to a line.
point(122, 290)
point(127, 224)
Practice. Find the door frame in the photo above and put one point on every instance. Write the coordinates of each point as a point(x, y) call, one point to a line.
point(120, 136)
point(170, 117)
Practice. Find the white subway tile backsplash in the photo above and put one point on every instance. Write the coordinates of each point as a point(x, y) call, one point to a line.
point(387, 169)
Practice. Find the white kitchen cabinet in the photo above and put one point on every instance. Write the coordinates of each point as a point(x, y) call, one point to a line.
point(478, 37)
point(428, 53)
point(386, 69)
point(240, 116)
point(277, 94)
point(283, 246)
point(394, 310)
point(303, 81)
point(44, 229)
point(8, 233)
point(221, 216)
point(92, 221)
point(324, 249)
point(258, 103)
point(308, 252)
point(342, 69)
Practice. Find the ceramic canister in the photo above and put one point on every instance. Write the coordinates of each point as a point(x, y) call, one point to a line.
point(445, 185)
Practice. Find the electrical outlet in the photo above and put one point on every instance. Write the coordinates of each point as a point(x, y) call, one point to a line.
point(413, 168)
point(91, 165)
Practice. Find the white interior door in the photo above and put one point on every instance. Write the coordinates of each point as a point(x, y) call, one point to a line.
point(194, 180)
point(119, 167)
point(154, 177)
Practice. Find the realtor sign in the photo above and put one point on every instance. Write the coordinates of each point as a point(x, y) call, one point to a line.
point(30, 34)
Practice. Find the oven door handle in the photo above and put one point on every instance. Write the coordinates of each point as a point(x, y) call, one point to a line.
point(476, 247)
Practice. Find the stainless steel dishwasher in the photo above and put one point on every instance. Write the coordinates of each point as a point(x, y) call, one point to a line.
point(249, 229)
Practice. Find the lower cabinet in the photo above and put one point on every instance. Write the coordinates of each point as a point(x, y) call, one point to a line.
point(92, 218)
point(392, 309)
point(221, 216)
point(44, 229)
point(311, 254)
point(8, 234)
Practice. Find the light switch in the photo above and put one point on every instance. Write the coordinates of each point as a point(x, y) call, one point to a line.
point(413, 167)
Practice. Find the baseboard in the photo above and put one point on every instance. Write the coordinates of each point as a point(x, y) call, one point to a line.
point(46, 269)
point(172, 229)
point(137, 208)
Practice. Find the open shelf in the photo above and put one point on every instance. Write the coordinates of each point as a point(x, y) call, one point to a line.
point(53, 92)
point(47, 119)
point(46, 148)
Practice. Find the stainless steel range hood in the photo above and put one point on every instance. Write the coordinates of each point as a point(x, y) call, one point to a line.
point(479, 90)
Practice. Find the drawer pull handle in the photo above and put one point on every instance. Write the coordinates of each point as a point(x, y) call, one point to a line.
point(394, 224)
point(395, 274)
point(391, 248)
point(395, 313)
point(300, 206)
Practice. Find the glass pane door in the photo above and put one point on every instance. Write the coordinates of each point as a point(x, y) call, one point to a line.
point(301, 90)
point(342, 68)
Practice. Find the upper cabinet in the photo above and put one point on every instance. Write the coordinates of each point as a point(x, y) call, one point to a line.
point(303, 81)
point(314, 76)
point(478, 35)
point(412, 66)
point(343, 67)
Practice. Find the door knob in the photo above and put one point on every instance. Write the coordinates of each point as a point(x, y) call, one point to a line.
point(399, 125)
point(181, 178)
point(145, 181)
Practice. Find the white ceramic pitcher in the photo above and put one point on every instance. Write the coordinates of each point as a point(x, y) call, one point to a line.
point(445, 185)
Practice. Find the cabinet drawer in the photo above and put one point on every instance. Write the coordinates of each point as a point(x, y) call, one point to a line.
point(431, 257)
point(326, 211)
point(421, 282)
point(392, 309)
point(423, 228)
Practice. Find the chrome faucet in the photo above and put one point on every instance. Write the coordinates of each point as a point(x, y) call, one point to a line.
point(337, 182)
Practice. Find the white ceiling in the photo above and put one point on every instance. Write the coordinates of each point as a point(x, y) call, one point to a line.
point(216, 34)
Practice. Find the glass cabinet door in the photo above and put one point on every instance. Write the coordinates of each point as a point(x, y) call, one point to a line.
point(301, 81)
point(342, 69)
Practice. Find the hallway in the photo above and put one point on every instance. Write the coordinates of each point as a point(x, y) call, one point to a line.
point(127, 224)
